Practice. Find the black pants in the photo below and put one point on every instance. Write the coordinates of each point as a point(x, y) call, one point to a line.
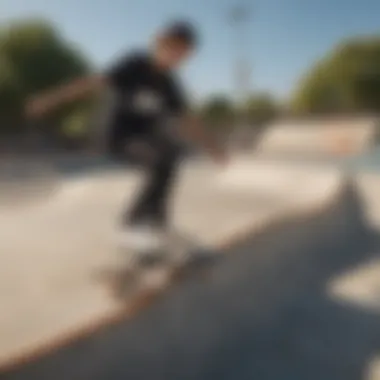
point(157, 155)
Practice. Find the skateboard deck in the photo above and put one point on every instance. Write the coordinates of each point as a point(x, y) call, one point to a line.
point(154, 271)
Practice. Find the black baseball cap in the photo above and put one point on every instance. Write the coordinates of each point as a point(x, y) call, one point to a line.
point(184, 31)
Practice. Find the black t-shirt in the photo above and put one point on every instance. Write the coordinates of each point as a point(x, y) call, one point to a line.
point(145, 96)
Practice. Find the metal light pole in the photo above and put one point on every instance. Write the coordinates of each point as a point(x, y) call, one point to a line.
point(239, 18)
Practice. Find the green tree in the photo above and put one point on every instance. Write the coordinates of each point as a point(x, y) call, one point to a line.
point(261, 109)
point(34, 58)
point(218, 111)
point(10, 94)
point(346, 80)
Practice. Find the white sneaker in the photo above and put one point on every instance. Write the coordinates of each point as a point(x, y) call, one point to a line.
point(141, 238)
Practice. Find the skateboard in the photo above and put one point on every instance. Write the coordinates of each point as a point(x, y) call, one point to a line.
point(153, 271)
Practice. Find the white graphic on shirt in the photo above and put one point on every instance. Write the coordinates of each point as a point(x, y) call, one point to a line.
point(146, 101)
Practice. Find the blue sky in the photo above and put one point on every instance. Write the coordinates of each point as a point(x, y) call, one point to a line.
point(285, 36)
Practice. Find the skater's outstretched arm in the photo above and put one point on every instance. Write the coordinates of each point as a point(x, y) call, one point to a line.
point(46, 102)
point(117, 76)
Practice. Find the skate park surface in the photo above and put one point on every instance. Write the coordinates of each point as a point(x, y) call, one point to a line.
point(295, 296)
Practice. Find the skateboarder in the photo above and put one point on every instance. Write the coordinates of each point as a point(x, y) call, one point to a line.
point(147, 97)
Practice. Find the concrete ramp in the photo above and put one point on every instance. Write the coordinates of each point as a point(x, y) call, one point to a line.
point(52, 249)
point(297, 182)
point(264, 312)
point(321, 135)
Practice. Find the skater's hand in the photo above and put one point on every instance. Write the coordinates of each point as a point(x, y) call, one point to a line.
point(220, 157)
point(194, 130)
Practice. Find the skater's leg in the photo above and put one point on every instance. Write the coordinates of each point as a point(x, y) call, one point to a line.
point(153, 201)
point(157, 158)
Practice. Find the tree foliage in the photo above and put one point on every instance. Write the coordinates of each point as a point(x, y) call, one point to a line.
point(34, 58)
point(10, 94)
point(260, 109)
point(346, 80)
point(218, 111)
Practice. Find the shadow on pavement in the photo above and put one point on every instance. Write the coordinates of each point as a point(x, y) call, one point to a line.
point(262, 314)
